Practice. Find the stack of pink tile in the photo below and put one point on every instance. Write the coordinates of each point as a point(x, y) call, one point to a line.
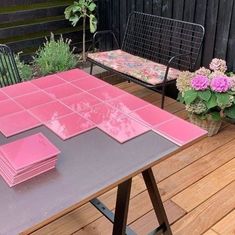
point(25, 158)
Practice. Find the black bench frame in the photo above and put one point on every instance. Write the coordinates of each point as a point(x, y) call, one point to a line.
point(170, 42)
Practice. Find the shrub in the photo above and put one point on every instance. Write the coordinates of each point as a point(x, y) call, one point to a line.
point(55, 56)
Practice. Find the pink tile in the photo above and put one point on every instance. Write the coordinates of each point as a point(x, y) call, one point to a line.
point(107, 92)
point(48, 81)
point(19, 89)
point(123, 129)
point(22, 153)
point(127, 103)
point(50, 111)
point(89, 83)
point(70, 125)
point(101, 113)
point(80, 102)
point(72, 75)
point(151, 115)
point(180, 131)
point(17, 122)
point(33, 99)
point(8, 107)
point(3, 96)
point(62, 91)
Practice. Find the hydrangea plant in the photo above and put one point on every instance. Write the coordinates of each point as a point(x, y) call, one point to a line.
point(208, 93)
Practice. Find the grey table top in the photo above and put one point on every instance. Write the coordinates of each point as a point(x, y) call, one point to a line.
point(88, 165)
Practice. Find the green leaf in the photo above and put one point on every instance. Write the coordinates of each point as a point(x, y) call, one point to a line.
point(93, 23)
point(215, 116)
point(230, 112)
point(92, 6)
point(212, 102)
point(205, 95)
point(180, 98)
point(222, 99)
point(190, 96)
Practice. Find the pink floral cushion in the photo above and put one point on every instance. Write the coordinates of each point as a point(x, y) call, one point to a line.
point(135, 66)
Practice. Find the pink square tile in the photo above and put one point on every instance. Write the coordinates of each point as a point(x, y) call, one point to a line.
point(72, 75)
point(8, 107)
point(123, 129)
point(22, 153)
point(180, 131)
point(63, 90)
point(50, 111)
point(80, 102)
point(89, 83)
point(33, 99)
point(70, 125)
point(152, 115)
point(3, 96)
point(101, 113)
point(107, 92)
point(17, 122)
point(48, 81)
point(19, 89)
point(127, 103)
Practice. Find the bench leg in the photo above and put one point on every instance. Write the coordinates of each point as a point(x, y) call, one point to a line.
point(163, 96)
point(91, 68)
point(157, 202)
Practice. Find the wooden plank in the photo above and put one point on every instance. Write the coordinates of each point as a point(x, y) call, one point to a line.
point(139, 5)
point(157, 7)
point(149, 222)
point(189, 10)
point(223, 26)
point(210, 232)
point(86, 214)
point(194, 195)
point(178, 10)
point(167, 8)
point(226, 225)
point(148, 6)
point(207, 214)
point(197, 170)
point(189, 155)
point(123, 18)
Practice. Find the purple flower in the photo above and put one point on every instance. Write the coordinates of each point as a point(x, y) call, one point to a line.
point(200, 82)
point(220, 84)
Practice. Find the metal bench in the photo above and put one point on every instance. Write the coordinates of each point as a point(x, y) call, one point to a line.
point(153, 51)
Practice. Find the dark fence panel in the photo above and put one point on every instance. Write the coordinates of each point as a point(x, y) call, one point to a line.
point(217, 16)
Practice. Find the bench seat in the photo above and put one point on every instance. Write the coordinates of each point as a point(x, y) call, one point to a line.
point(145, 70)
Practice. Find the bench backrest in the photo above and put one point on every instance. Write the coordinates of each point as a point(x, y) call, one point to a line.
point(158, 39)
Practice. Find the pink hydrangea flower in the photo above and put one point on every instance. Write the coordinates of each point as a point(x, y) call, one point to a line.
point(200, 82)
point(218, 65)
point(220, 84)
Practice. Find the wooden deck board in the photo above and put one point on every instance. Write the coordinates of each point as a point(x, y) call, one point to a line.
point(197, 179)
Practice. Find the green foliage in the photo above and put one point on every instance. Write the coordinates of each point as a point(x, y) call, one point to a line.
point(82, 9)
point(230, 112)
point(55, 56)
point(190, 96)
point(205, 95)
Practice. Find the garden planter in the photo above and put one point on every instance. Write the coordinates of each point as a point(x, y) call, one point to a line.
point(211, 126)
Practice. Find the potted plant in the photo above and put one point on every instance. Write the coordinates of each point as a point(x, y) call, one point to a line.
point(208, 95)
point(82, 9)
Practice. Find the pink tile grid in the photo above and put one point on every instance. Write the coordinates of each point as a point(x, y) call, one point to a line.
point(88, 83)
point(50, 111)
point(151, 115)
point(128, 103)
point(72, 75)
point(48, 81)
point(33, 99)
point(3, 96)
point(123, 128)
point(80, 102)
point(179, 131)
point(17, 122)
point(9, 107)
point(23, 153)
point(101, 113)
point(70, 125)
point(107, 92)
point(19, 89)
point(63, 90)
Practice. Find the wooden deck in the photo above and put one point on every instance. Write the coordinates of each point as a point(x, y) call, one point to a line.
point(197, 186)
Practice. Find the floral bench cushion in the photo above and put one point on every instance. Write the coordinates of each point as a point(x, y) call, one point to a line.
point(135, 66)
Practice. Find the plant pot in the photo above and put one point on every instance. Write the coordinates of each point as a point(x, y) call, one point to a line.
point(211, 126)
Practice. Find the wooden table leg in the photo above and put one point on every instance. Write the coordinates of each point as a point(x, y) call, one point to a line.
point(157, 202)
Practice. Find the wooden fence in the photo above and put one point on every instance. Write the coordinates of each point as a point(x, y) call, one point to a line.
point(217, 16)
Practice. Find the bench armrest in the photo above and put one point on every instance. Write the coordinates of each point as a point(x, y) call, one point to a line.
point(102, 33)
